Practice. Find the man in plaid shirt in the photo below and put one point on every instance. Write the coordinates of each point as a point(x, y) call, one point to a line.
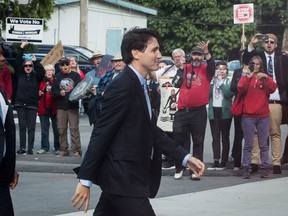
point(104, 81)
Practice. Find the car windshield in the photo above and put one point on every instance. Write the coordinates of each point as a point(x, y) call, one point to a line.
point(85, 51)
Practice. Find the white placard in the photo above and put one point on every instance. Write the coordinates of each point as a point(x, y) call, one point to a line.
point(24, 29)
point(243, 13)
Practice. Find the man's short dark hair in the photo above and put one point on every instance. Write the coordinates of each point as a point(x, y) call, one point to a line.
point(136, 38)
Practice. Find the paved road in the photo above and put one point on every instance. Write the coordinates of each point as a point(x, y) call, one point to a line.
point(47, 182)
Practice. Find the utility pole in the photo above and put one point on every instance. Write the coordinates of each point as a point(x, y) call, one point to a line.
point(285, 34)
point(83, 23)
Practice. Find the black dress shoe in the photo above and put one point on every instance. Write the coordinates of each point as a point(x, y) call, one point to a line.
point(284, 160)
point(254, 168)
point(277, 169)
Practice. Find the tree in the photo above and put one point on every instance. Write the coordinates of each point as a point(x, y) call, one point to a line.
point(183, 23)
point(33, 9)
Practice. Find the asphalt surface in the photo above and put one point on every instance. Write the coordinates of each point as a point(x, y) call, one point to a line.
point(47, 183)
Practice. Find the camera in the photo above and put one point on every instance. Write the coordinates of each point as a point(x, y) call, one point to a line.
point(262, 37)
point(251, 67)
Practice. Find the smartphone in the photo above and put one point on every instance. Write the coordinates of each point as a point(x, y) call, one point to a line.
point(251, 67)
point(263, 37)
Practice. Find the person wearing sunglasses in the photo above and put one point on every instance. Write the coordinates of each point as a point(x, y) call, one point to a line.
point(67, 111)
point(29, 74)
point(273, 62)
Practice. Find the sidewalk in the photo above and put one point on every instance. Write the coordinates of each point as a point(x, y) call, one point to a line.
point(252, 199)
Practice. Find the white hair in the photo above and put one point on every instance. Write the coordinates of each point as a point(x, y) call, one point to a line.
point(49, 67)
point(177, 51)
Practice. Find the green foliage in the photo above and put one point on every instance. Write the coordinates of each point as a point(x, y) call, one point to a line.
point(183, 23)
point(34, 9)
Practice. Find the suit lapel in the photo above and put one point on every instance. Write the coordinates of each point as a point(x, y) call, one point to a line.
point(139, 91)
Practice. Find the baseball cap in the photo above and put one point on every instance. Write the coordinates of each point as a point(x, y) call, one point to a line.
point(64, 60)
point(197, 50)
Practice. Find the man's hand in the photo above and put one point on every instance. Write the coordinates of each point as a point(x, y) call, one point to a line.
point(93, 89)
point(62, 92)
point(81, 196)
point(15, 180)
point(255, 39)
point(204, 46)
point(23, 44)
point(196, 166)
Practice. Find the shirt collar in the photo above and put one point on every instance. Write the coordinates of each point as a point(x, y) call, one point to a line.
point(267, 55)
point(140, 77)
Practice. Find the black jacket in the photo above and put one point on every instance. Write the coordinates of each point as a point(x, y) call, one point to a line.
point(67, 82)
point(27, 93)
point(7, 164)
point(119, 156)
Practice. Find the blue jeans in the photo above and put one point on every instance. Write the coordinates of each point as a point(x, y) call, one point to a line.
point(45, 125)
point(27, 121)
point(248, 127)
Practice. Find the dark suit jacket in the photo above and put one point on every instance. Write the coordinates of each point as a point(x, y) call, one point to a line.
point(7, 165)
point(280, 67)
point(118, 157)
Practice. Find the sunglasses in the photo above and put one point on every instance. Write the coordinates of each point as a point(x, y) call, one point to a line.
point(28, 65)
point(269, 41)
point(64, 64)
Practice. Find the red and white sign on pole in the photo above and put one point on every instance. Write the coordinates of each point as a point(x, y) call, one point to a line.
point(243, 13)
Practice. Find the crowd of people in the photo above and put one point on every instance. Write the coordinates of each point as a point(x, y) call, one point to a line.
point(172, 96)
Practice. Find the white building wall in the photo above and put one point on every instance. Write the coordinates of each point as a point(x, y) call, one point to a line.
point(65, 21)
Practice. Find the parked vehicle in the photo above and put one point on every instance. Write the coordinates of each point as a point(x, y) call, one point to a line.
point(232, 66)
point(82, 54)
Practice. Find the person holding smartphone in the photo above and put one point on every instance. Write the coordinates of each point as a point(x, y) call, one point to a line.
point(275, 64)
point(256, 85)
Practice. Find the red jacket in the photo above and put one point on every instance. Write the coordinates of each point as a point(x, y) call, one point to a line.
point(256, 95)
point(6, 81)
point(46, 101)
point(198, 94)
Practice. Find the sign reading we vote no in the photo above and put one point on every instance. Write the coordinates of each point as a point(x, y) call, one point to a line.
point(24, 29)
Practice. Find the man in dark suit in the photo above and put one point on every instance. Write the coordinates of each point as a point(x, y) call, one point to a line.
point(8, 175)
point(124, 153)
point(274, 65)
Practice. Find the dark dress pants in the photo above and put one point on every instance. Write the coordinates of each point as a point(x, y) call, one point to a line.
point(27, 122)
point(115, 205)
point(190, 122)
point(237, 143)
point(6, 206)
point(220, 129)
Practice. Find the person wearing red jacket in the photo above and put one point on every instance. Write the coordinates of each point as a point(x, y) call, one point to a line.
point(256, 87)
point(5, 77)
point(47, 110)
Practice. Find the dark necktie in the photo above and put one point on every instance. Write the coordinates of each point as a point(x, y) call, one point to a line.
point(147, 99)
point(270, 67)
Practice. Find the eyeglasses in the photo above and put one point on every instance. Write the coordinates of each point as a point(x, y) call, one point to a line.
point(254, 63)
point(269, 41)
point(28, 65)
point(64, 64)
